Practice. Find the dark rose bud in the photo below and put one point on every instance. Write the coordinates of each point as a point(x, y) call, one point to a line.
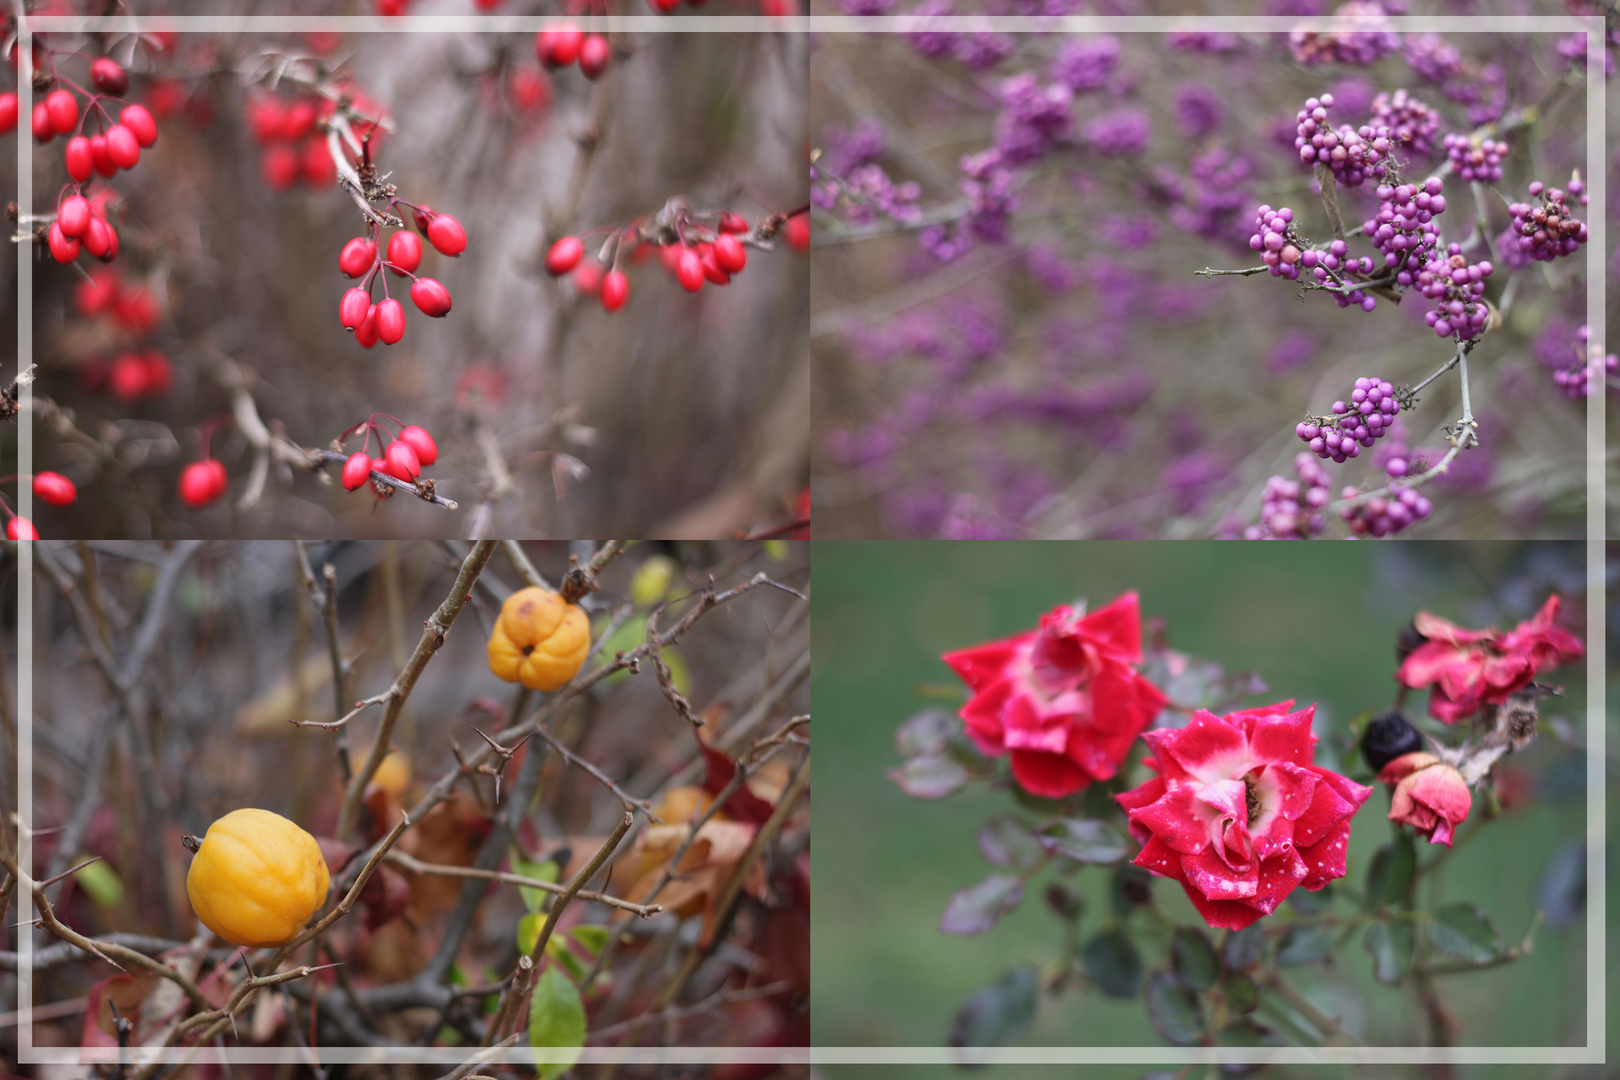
point(1406, 642)
point(1065, 901)
point(1387, 738)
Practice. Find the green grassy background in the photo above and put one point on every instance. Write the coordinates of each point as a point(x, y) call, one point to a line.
point(1317, 621)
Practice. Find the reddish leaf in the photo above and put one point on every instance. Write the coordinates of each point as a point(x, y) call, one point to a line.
point(743, 805)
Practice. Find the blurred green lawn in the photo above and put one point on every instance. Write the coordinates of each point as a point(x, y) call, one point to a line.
point(1317, 621)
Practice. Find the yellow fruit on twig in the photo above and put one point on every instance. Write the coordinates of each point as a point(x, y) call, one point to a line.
point(540, 640)
point(256, 878)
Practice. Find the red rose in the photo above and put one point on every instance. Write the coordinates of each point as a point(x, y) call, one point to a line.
point(1239, 815)
point(1468, 669)
point(1430, 795)
point(1063, 701)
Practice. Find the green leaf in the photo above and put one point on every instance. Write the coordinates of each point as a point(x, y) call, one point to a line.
point(528, 931)
point(557, 949)
point(457, 977)
point(932, 777)
point(1006, 841)
point(101, 883)
point(1242, 996)
point(1131, 887)
point(1113, 963)
point(1390, 944)
point(776, 550)
point(1173, 1009)
point(591, 937)
point(975, 910)
point(1084, 840)
point(1462, 930)
point(996, 1014)
point(533, 899)
point(1245, 1033)
point(1303, 945)
point(1245, 948)
point(1389, 875)
point(1193, 958)
point(556, 1022)
point(1311, 903)
point(927, 734)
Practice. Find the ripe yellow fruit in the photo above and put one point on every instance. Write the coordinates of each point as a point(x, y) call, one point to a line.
point(540, 640)
point(256, 878)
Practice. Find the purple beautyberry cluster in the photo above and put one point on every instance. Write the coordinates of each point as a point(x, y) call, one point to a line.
point(1385, 515)
point(1550, 229)
point(1351, 44)
point(1471, 161)
point(1411, 123)
point(1086, 61)
point(1201, 41)
point(1277, 248)
point(865, 194)
point(1119, 133)
point(1576, 381)
point(1404, 228)
point(1033, 119)
point(1292, 509)
point(1430, 57)
point(1457, 288)
point(1353, 154)
point(1361, 421)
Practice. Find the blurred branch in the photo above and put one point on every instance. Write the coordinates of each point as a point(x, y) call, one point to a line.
point(433, 633)
point(417, 866)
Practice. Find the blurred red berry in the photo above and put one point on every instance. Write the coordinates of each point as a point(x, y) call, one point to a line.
point(427, 451)
point(109, 76)
point(159, 373)
point(20, 528)
point(797, 232)
point(564, 256)
point(127, 378)
point(529, 90)
point(431, 297)
point(122, 147)
point(41, 122)
point(63, 248)
point(615, 290)
point(280, 167)
point(354, 308)
point(80, 164)
point(366, 332)
point(729, 253)
point(558, 46)
point(390, 321)
point(74, 216)
point(202, 482)
point(733, 223)
point(402, 461)
point(689, 270)
point(587, 278)
point(96, 293)
point(140, 124)
point(405, 252)
point(320, 170)
point(8, 113)
point(594, 55)
point(446, 234)
point(100, 240)
point(357, 256)
point(63, 109)
point(55, 489)
point(357, 470)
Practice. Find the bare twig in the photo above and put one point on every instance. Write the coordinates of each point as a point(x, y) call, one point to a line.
point(417, 866)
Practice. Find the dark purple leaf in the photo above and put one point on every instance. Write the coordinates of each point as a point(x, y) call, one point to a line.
point(977, 909)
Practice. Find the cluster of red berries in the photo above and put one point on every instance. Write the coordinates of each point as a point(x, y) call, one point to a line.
point(566, 44)
point(692, 253)
point(130, 376)
point(81, 223)
point(294, 149)
point(361, 257)
point(403, 457)
point(104, 292)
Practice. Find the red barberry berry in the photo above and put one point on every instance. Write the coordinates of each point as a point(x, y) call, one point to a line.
point(664, 7)
point(733, 223)
point(100, 240)
point(564, 256)
point(96, 292)
point(390, 321)
point(354, 308)
point(712, 270)
point(729, 253)
point(202, 482)
point(558, 46)
point(427, 451)
point(594, 55)
point(41, 122)
point(63, 248)
point(99, 157)
point(8, 112)
point(280, 167)
point(615, 290)
point(299, 119)
point(265, 116)
point(122, 148)
point(689, 270)
point(80, 164)
point(54, 488)
point(319, 169)
point(797, 232)
point(357, 257)
point(159, 373)
point(127, 377)
point(431, 297)
point(402, 461)
point(20, 528)
point(140, 124)
point(109, 76)
point(446, 234)
point(357, 470)
point(366, 332)
point(63, 109)
point(74, 216)
point(405, 252)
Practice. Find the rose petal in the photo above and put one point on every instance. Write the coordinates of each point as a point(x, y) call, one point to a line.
point(1278, 877)
point(1179, 820)
point(985, 663)
point(1284, 738)
point(1117, 628)
point(1329, 806)
point(1159, 858)
point(1230, 797)
point(1325, 861)
point(1208, 748)
point(1208, 872)
point(1051, 776)
point(1223, 914)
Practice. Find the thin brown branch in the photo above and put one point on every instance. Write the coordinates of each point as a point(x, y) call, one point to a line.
point(417, 866)
point(629, 801)
point(433, 634)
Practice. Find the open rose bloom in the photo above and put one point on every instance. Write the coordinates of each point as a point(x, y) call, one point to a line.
point(1430, 795)
point(1468, 669)
point(1238, 813)
point(1064, 702)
